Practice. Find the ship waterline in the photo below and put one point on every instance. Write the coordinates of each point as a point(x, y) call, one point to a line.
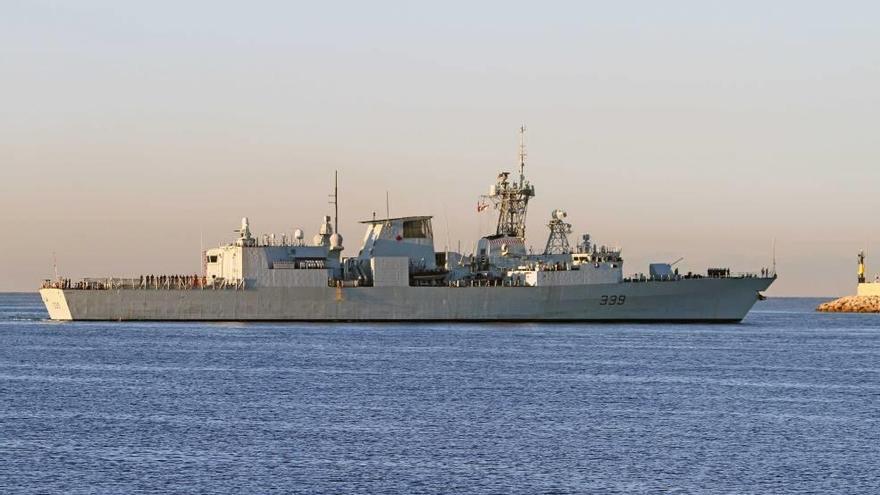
point(693, 300)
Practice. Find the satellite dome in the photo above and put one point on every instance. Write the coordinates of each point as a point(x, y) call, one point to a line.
point(336, 241)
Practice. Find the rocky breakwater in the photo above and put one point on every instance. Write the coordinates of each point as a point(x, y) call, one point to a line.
point(852, 304)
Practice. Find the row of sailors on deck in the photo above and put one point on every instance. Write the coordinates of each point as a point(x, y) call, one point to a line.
point(66, 283)
point(144, 282)
point(63, 283)
point(173, 281)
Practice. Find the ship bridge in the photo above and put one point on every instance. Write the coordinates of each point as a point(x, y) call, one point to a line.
point(410, 237)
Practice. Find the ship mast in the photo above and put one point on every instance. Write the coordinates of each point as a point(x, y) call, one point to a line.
point(522, 154)
point(335, 200)
point(557, 242)
point(511, 199)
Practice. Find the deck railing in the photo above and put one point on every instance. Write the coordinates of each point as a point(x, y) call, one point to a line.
point(688, 276)
point(146, 282)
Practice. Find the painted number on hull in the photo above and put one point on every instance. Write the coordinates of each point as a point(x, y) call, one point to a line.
point(612, 300)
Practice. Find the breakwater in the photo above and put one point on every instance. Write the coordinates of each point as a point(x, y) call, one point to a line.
point(852, 304)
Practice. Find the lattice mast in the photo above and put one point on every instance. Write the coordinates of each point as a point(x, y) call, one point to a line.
point(557, 241)
point(511, 198)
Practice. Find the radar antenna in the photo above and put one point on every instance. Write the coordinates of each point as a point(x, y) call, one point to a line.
point(511, 198)
point(557, 242)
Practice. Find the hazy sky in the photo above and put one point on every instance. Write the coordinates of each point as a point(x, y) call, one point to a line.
point(699, 129)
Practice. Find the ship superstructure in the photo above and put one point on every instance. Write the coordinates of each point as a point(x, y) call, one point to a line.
point(398, 275)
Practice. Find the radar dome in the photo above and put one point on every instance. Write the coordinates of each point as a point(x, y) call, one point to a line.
point(298, 234)
point(336, 241)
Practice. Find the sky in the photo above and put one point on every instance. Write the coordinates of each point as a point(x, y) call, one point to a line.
point(132, 133)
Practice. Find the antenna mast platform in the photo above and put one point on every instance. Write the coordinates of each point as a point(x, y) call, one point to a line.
point(511, 199)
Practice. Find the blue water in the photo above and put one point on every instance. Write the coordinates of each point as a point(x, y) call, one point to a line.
point(786, 402)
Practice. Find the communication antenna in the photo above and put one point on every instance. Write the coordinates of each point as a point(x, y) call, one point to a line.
point(522, 153)
point(202, 260)
point(55, 265)
point(387, 225)
point(774, 256)
point(335, 200)
point(511, 198)
point(446, 219)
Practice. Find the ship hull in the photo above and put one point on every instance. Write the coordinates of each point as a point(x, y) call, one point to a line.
point(688, 300)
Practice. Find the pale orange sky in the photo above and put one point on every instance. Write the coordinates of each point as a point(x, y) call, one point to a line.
point(697, 129)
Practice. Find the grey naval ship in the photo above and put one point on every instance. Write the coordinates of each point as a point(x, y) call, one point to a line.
point(398, 275)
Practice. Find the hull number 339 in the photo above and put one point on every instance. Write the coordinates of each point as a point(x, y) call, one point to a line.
point(612, 300)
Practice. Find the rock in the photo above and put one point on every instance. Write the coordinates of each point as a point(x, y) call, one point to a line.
point(852, 304)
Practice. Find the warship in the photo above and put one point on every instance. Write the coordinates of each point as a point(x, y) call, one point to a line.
point(399, 275)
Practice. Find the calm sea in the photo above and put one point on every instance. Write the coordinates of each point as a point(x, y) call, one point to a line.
point(786, 402)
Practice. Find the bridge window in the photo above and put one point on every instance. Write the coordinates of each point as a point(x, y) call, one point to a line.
point(416, 229)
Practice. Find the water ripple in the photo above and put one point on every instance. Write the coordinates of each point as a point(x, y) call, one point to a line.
point(787, 402)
